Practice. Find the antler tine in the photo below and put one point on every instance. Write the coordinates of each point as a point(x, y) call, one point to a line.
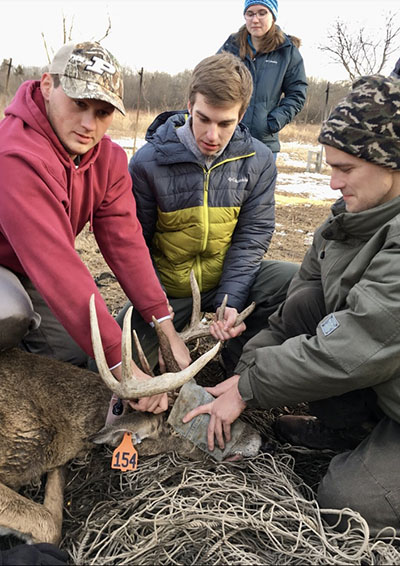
point(141, 355)
point(222, 308)
point(135, 389)
point(245, 313)
point(126, 346)
point(170, 363)
point(198, 330)
point(100, 358)
point(195, 319)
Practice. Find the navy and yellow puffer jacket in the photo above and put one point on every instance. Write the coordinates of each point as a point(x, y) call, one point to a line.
point(218, 222)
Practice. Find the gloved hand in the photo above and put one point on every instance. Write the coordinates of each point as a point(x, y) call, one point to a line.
point(42, 554)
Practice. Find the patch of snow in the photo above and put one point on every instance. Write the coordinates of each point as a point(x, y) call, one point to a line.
point(128, 142)
point(297, 145)
point(314, 185)
point(288, 161)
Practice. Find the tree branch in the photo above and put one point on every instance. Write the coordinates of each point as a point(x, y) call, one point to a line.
point(359, 53)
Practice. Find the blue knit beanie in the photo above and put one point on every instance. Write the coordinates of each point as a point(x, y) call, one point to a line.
point(272, 5)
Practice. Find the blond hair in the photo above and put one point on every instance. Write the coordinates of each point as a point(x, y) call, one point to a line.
point(223, 80)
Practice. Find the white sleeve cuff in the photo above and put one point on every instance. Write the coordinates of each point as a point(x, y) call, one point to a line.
point(167, 317)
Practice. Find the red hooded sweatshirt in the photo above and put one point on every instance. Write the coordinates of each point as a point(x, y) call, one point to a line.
point(45, 201)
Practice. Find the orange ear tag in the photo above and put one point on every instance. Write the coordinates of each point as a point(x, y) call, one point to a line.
point(125, 456)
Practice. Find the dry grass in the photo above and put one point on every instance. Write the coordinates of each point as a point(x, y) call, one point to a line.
point(131, 124)
point(301, 133)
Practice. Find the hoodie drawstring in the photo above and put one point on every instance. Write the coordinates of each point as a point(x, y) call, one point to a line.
point(91, 197)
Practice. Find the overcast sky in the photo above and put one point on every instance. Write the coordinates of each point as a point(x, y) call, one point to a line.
point(174, 35)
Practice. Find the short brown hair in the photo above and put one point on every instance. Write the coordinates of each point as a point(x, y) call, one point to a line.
point(223, 80)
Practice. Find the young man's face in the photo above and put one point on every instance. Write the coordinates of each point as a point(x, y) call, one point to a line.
point(363, 184)
point(78, 123)
point(213, 126)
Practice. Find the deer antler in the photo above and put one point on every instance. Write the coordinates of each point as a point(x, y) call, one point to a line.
point(198, 329)
point(130, 387)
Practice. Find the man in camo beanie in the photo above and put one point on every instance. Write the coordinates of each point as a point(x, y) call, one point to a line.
point(334, 342)
point(367, 122)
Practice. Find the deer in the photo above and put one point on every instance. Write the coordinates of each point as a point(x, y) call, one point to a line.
point(52, 412)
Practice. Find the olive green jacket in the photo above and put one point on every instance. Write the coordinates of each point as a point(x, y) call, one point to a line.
point(356, 260)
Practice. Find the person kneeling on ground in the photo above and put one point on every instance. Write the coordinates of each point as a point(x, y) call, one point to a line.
point(60, 171)
point(205, 198)
point(335, 342)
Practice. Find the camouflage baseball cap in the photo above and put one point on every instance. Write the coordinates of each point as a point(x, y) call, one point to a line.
point(87, 70)
point(367, 122)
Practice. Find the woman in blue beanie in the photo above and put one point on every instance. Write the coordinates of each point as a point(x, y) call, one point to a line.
point(277, 67)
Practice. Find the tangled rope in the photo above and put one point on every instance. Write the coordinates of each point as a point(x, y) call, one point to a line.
point(176, 512)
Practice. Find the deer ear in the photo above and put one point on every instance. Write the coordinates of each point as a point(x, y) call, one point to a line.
point(109, 434)
point(140, 425)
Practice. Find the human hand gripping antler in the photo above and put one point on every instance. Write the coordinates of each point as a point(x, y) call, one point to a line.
point(227, 323)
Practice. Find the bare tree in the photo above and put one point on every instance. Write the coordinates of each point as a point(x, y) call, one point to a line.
point(358, 51)
point(67, 29)
point(108, 30)
point(67, 35)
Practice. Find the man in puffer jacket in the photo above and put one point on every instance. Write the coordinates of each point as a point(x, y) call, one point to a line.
point(204, 190)
point(335, 342)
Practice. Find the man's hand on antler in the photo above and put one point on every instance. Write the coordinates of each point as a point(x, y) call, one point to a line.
point(178, 347)
point(154, 404)
point(170, 309)
point(225, 329)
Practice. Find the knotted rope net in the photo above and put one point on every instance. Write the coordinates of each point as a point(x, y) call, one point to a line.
point(178, 512)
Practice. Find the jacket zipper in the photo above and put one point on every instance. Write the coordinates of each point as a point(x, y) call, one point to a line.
point(207, 173)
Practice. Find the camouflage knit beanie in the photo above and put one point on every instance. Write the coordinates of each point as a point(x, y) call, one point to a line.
point(367, 122)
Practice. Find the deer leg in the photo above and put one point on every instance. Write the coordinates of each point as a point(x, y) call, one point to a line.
point(54, 497)
point(32, 521)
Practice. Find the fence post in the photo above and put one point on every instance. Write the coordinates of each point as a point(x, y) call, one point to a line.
point(8, 75)
point(138, 109)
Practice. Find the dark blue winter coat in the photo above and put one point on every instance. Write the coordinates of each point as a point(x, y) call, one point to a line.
point(279, 92)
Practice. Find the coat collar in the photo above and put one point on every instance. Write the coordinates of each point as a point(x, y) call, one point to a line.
point(343, 225)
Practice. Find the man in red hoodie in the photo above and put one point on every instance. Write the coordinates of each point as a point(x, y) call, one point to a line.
point(59, 171)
